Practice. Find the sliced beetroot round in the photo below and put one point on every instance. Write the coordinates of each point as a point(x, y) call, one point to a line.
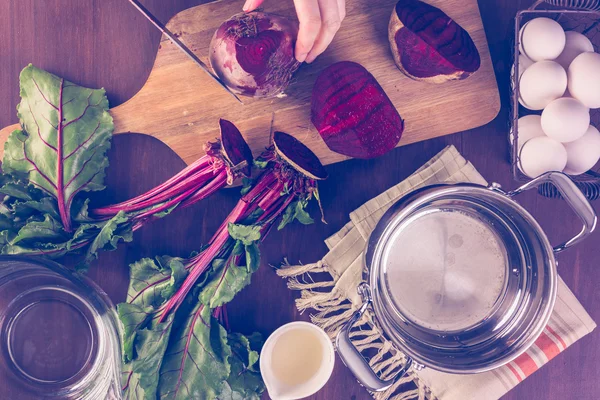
point(428, 45)
point(353, 114)
point(235, 148)
point(253, 53)
point(298, 156)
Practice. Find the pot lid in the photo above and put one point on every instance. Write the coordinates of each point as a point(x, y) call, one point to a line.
point(460, 275)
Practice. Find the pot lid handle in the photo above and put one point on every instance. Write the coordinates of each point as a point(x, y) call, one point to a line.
point(573, 196)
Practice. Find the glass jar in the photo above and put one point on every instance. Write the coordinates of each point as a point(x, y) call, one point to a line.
point(59, 336)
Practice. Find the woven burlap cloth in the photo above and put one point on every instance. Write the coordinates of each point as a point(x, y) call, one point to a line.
point(329, 287)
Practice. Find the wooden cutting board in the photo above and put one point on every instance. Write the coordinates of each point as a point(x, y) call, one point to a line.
point(180, 105)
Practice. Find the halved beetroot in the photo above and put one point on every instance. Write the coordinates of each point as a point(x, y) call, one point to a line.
point(428, 45)
point(298, 156)
point(235, 148)
point(352, 112)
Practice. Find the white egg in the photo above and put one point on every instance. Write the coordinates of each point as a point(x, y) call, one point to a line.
point(524, 63)
point(541, 83)
point(584, 79)
point(565, 119)
point(529, 126)
point(583, 153)
point(542, 154)
point(542, 39)
point(576, 44)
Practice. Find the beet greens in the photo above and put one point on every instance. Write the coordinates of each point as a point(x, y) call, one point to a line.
point(170, 329)
point(60, 152)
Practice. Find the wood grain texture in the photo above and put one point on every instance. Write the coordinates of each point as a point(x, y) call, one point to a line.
point(106, 43)
point(180, 105)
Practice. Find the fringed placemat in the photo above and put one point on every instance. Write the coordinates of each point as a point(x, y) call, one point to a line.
point(334, 298)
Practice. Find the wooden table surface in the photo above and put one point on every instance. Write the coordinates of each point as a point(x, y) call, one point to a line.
point(106, 43)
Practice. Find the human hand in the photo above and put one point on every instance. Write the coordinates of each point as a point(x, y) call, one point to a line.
point(319, 22)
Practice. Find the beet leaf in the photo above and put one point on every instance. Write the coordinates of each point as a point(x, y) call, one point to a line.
point(67, 131)
point(168, 319)
point(196, 362)
point(190, 351)
point(244, 382)
point(60, 153)
point(143, 347)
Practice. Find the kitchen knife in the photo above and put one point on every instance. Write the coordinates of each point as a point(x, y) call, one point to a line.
point(180, 45)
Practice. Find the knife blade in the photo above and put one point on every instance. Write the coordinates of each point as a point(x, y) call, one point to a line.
point(180, 45)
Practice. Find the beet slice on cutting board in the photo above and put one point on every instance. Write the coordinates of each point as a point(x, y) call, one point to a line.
point(298, 156)
point(428, 45)
point(352, 113)
point(235, 147)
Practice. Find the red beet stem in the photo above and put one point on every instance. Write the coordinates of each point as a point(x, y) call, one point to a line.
point(246, 204)
point(193, 182)
point(190, 196)
point(164, 206)
point(196, 269)
point(273, 192)
point(275, 210)
point(199, 165)
point(217, 183)
point(266, 191)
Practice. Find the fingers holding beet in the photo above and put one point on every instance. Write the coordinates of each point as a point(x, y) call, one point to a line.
point(319, 22)
point(331, 20)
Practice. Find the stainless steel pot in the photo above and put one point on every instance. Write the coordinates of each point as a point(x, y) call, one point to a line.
point(461, 278)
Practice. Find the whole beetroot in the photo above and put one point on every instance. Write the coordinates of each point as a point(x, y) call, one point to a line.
point(253, 53)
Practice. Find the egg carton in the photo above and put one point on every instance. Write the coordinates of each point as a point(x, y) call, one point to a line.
point(578, 15)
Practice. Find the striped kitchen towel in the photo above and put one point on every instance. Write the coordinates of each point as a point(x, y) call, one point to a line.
point(335, 299)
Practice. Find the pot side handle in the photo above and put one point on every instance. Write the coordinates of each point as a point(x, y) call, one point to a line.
point(573, 196)
point(352, 358)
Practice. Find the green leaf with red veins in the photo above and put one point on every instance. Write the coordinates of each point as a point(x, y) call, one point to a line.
point(144, 339)
point(151, 283)
point(130, 384)
point(48, 230)
point(228, 277)
point(195, 363)
point(112, 232)
point(244, 382)
point(296, 211)
point(139, 377)
point(246, 233)
point(67, 131)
